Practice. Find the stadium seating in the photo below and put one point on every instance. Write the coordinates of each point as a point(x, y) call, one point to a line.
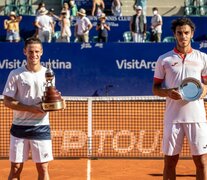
point(10, 5)
point(195, 8)
point(127, 36)
point(168, 39)
point(21, 7)
point(203, 10)
point(192, 10)
point(56, 35)
point(189, 2)
point(147, 36)
point(203, 7)
point(25, 7)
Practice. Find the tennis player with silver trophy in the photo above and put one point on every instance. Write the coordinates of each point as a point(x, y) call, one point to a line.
point(181, 76)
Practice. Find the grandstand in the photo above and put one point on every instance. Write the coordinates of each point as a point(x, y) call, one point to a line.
point(34, 3)
point(166, 8)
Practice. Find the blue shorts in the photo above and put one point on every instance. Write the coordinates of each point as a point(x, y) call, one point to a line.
point(12, 36)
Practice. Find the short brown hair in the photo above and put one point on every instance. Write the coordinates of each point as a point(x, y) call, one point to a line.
point(154, 9)
point(181, 22)
point(32, 40)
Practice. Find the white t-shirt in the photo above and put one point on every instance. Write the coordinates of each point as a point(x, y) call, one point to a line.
point(27, 87)
point(155, 20)
point(172, 69)
point(82, 25)
point(45, 22)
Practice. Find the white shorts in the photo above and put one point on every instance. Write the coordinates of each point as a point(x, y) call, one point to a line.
point(173, 137)
point(19, 150)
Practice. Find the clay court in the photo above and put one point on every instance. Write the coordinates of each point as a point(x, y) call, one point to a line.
point(123, 135)
point(103, 169)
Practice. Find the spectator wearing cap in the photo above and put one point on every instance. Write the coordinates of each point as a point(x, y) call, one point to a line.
point(45, 25)
point(12, 27)
point(143, 4)
point(82, 26)
point(102, 28)
point(138, 25)
point(40, 5)
point(156, 26)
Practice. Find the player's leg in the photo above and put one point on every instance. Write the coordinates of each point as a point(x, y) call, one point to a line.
point(43, 172)
point(15, 171)
point(170, 163)
point(42, 154)
point(19, 152)
point(173, 137)
point(197, 138)
point(201, 166)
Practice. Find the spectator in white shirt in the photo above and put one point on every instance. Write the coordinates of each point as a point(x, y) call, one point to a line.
point(156, 26)
point(82, 26)
point(45, 25)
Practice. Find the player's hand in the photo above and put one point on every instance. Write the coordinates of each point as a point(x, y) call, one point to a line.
point(174, 94)
point(204, 91)
point(64, 104)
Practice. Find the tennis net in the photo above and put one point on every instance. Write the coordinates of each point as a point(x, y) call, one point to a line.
point(102, 127)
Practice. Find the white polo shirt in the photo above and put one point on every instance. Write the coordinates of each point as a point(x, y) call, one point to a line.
point(28, 88)
point(171, 68)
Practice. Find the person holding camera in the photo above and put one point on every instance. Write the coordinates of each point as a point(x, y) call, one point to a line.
point(11, 26)
point(102, 28)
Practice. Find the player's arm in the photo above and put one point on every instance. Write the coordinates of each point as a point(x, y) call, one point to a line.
point(158, 90)
point(16, 105)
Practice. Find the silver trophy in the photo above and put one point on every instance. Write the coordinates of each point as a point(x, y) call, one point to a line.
point(190, 89)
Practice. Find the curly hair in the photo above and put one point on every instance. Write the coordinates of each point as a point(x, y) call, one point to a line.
point(181, 22)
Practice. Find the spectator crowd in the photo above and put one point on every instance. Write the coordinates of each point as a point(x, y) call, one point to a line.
point(46, 21)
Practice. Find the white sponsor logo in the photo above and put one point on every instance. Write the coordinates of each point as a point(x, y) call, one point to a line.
point(16, 63)
point(203, 45)
point(135, 64)
point(86, 46)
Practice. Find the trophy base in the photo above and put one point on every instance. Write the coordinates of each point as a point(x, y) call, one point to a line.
point(54, 106)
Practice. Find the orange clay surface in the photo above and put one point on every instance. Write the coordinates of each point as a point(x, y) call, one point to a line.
point(103, 169)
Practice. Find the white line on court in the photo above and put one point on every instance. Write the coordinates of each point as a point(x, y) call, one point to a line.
point(89, 169)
